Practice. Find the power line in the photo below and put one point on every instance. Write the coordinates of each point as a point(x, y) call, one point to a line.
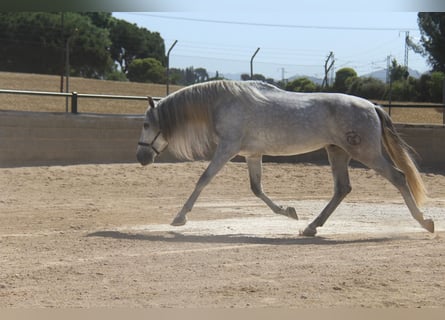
point(274, 25)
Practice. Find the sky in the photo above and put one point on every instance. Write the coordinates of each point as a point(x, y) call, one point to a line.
point(292, 40)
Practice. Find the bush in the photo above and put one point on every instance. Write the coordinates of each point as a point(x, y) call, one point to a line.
point(436, 88)
point(146, 70)
point(404, 90)
point(302, 85)
point(115, 75)
point(367, 87)
point(342, 77)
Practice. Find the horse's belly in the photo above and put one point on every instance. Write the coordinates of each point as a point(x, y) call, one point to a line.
point(283, 146)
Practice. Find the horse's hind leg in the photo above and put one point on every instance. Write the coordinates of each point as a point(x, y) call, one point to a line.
point(339, 160)
point(398, 179)
point(255, 171)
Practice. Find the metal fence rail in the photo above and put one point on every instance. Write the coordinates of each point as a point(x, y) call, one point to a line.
point(74, 97)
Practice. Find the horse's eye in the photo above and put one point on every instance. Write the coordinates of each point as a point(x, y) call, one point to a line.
point(146, 125)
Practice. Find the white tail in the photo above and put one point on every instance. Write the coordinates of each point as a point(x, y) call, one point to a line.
point(398, 150)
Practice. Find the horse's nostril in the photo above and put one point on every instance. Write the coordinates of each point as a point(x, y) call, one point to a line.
point(144, 156)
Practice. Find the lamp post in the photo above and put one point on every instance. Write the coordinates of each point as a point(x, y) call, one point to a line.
point(168, 66)
point(251, 63)
point(67, 66)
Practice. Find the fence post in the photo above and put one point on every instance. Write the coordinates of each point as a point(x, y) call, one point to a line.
point(74, 102)
point(443, 102)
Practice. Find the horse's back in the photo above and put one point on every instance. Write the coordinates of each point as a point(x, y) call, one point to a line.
point(292, 123)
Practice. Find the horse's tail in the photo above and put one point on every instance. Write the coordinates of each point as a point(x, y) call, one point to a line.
point(399, 150)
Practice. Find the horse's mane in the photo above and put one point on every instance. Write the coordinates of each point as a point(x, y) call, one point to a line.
point(186, 117)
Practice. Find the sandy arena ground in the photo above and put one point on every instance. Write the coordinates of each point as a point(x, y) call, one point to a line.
point(99, 236)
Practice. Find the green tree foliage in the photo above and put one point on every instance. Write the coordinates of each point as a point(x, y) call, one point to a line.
point(20, 35)
point(302, 85)
point(432, 28)
point(130, 42)
point(342, 77)
point(256, 77)
point(398, 72)
point(88, 45)
point(146, 70)
point(436, 88)
point(403, 90)
point(36, 42)
point(188, 76)
point(429, 87)
point(367, 87)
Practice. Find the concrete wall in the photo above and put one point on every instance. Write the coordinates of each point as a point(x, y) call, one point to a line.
point(28, 139)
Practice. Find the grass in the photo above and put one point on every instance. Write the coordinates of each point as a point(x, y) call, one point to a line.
point(23, 81)
point(36, 82)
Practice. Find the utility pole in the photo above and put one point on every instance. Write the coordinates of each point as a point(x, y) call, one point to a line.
point(283, 80)
point(62, 15)
point(389, 80)
point(406, 49)
point(67, 65)
point(330, 60)
point(443, 101)
point(251, 63)
point(168, 66)
point(388, 68)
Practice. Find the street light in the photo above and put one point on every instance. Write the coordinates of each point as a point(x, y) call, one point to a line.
point(168, 66)
point(251, 63)
point(67, 65)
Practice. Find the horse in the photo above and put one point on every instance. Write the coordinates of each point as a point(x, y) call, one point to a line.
point(252, 119)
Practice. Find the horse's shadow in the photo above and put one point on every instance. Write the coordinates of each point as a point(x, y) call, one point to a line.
point(176, 237)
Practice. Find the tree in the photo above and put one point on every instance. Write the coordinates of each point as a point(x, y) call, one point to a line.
point(89, 55)
point(217, 77)
point(188, 76)
point(432, 28)
point(367, 87)
point(341, 78)
point(404, 90)
point(146, 70)
point(201, 75)
point(101, 20)
point(429, 87)
point(130, 42)
point(34, 42)
point(436, 88)
point(423, 87)
point(21, 35)
point(302, 85)
point(398, 72)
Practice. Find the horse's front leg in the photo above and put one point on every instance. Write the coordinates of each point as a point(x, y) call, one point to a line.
point(255, 172)
point(223, 154)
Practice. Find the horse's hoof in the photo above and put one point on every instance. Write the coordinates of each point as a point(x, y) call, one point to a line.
point(291, 213)
point(309, 232)
point(179, 221)
point(428, 224)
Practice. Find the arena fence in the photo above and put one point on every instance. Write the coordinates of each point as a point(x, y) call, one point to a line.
point(74, 98)
point(39, 138)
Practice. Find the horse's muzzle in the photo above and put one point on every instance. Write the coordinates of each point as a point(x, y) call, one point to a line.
point(145, 155)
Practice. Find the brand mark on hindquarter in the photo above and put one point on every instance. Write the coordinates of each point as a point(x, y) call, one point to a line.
point(353, 138)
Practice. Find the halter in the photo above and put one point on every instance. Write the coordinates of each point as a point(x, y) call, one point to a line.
point(151, 144)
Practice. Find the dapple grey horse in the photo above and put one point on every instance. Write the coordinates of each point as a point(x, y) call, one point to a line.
point(253, 119)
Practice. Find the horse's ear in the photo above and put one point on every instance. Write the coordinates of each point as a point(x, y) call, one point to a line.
point(151, 102)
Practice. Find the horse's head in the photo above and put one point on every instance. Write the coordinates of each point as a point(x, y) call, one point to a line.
point(151, 143)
